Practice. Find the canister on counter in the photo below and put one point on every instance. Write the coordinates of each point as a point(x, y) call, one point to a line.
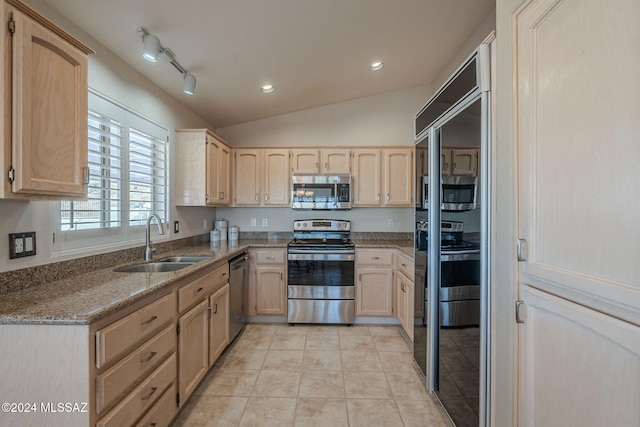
point(221, 225)
point(233, 232)
point(214, 237)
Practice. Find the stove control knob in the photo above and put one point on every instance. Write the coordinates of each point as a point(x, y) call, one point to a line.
point(305, 224)
point(297, 225)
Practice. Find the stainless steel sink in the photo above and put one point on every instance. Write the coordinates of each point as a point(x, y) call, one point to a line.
point(185, 258)
point(154, 267)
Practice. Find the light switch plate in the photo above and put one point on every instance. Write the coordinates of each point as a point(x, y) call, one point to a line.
point(22, 244)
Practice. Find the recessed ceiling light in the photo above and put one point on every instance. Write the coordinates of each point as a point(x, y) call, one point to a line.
point(267, 88)
point(376, 66)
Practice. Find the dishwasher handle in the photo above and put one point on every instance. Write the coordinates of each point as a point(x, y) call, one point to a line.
point(238, 262)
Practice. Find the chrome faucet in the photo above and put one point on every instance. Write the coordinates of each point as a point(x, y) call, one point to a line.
point(149, 249)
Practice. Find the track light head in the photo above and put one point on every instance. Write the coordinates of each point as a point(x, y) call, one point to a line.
point(189, 84)
point(151, 49)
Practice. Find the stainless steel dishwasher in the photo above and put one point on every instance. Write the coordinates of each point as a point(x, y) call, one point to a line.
point(238, 281)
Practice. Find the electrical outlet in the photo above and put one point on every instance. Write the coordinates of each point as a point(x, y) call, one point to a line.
point(22, 244)
point(253, 222)
point(19, 245)
point(265, 222)
point(389, 222)
point(176, 226)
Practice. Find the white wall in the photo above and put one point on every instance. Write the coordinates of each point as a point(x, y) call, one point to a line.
point(112, 77)
point(385, 119)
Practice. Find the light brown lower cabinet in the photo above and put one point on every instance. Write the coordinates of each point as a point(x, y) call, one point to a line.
point(219, 326)
point(267, 295)
point(374, 282)
point(203, 330)
point(193, 347)
point(404, 300)
point(143, 397)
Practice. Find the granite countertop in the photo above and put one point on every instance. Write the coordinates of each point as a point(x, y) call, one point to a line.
point(405, 246)
point(89, 297)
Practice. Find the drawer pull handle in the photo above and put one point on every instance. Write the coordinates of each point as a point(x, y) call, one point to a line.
point(198, 290)
point(216, 311)
point(151, 319)
point(403, 264)
point(151, 356)
point(375, 257)
point(148, 396)
point(224, 274)
point(271, 257)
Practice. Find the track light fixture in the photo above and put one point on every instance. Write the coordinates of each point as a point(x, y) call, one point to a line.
point(151, 51)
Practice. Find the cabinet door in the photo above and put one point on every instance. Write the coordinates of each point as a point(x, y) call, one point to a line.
point(398, 173)
point(374, 292)
point(271, 291)
point(401, 301)
point(276, 178)
point(405, 301)
point(305, 161)
point(559, 344)
point(49, 134)
point(445, 163)
point(193, 347)
point(464, 161)
point(366, 170)
point(219, 327)
point(212, 196)
point(224, 175)
point(336, 161)
point(246, 177)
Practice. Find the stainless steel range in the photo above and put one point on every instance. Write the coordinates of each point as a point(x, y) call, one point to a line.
point(459, 275)
point(321, 263)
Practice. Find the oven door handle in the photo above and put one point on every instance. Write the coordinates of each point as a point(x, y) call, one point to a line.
point(312, 255)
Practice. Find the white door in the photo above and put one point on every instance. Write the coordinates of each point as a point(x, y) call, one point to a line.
point(578, 103)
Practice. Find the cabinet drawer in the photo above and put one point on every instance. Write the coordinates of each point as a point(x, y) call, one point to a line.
point(111, 384)
point(374, 257)
point(405, 265)
point(115, 339)
point(162, 412)
point(190, 294)
point(142, 397)
point(270, 256)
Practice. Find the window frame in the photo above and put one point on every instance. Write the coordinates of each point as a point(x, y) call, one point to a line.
point(126, 234)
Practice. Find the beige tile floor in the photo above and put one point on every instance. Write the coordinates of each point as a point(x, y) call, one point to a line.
point(281, 375)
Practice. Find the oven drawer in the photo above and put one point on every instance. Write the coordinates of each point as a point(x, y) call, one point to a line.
point(457, 293)
point(321, 292)
point(321, 311)
point(460, 313)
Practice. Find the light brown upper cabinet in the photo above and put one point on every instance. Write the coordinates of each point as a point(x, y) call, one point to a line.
point(460, 161)
point(203, 162)
point(262, 177)
point(325, 161)
point(398, 177)
point(383, 177)
point(44, 108)
point(305, 161)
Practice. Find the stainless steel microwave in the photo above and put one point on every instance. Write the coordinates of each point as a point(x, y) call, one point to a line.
point(457, 193)
point(321, 192)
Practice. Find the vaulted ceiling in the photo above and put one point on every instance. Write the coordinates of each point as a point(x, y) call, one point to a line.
point(315, 52)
